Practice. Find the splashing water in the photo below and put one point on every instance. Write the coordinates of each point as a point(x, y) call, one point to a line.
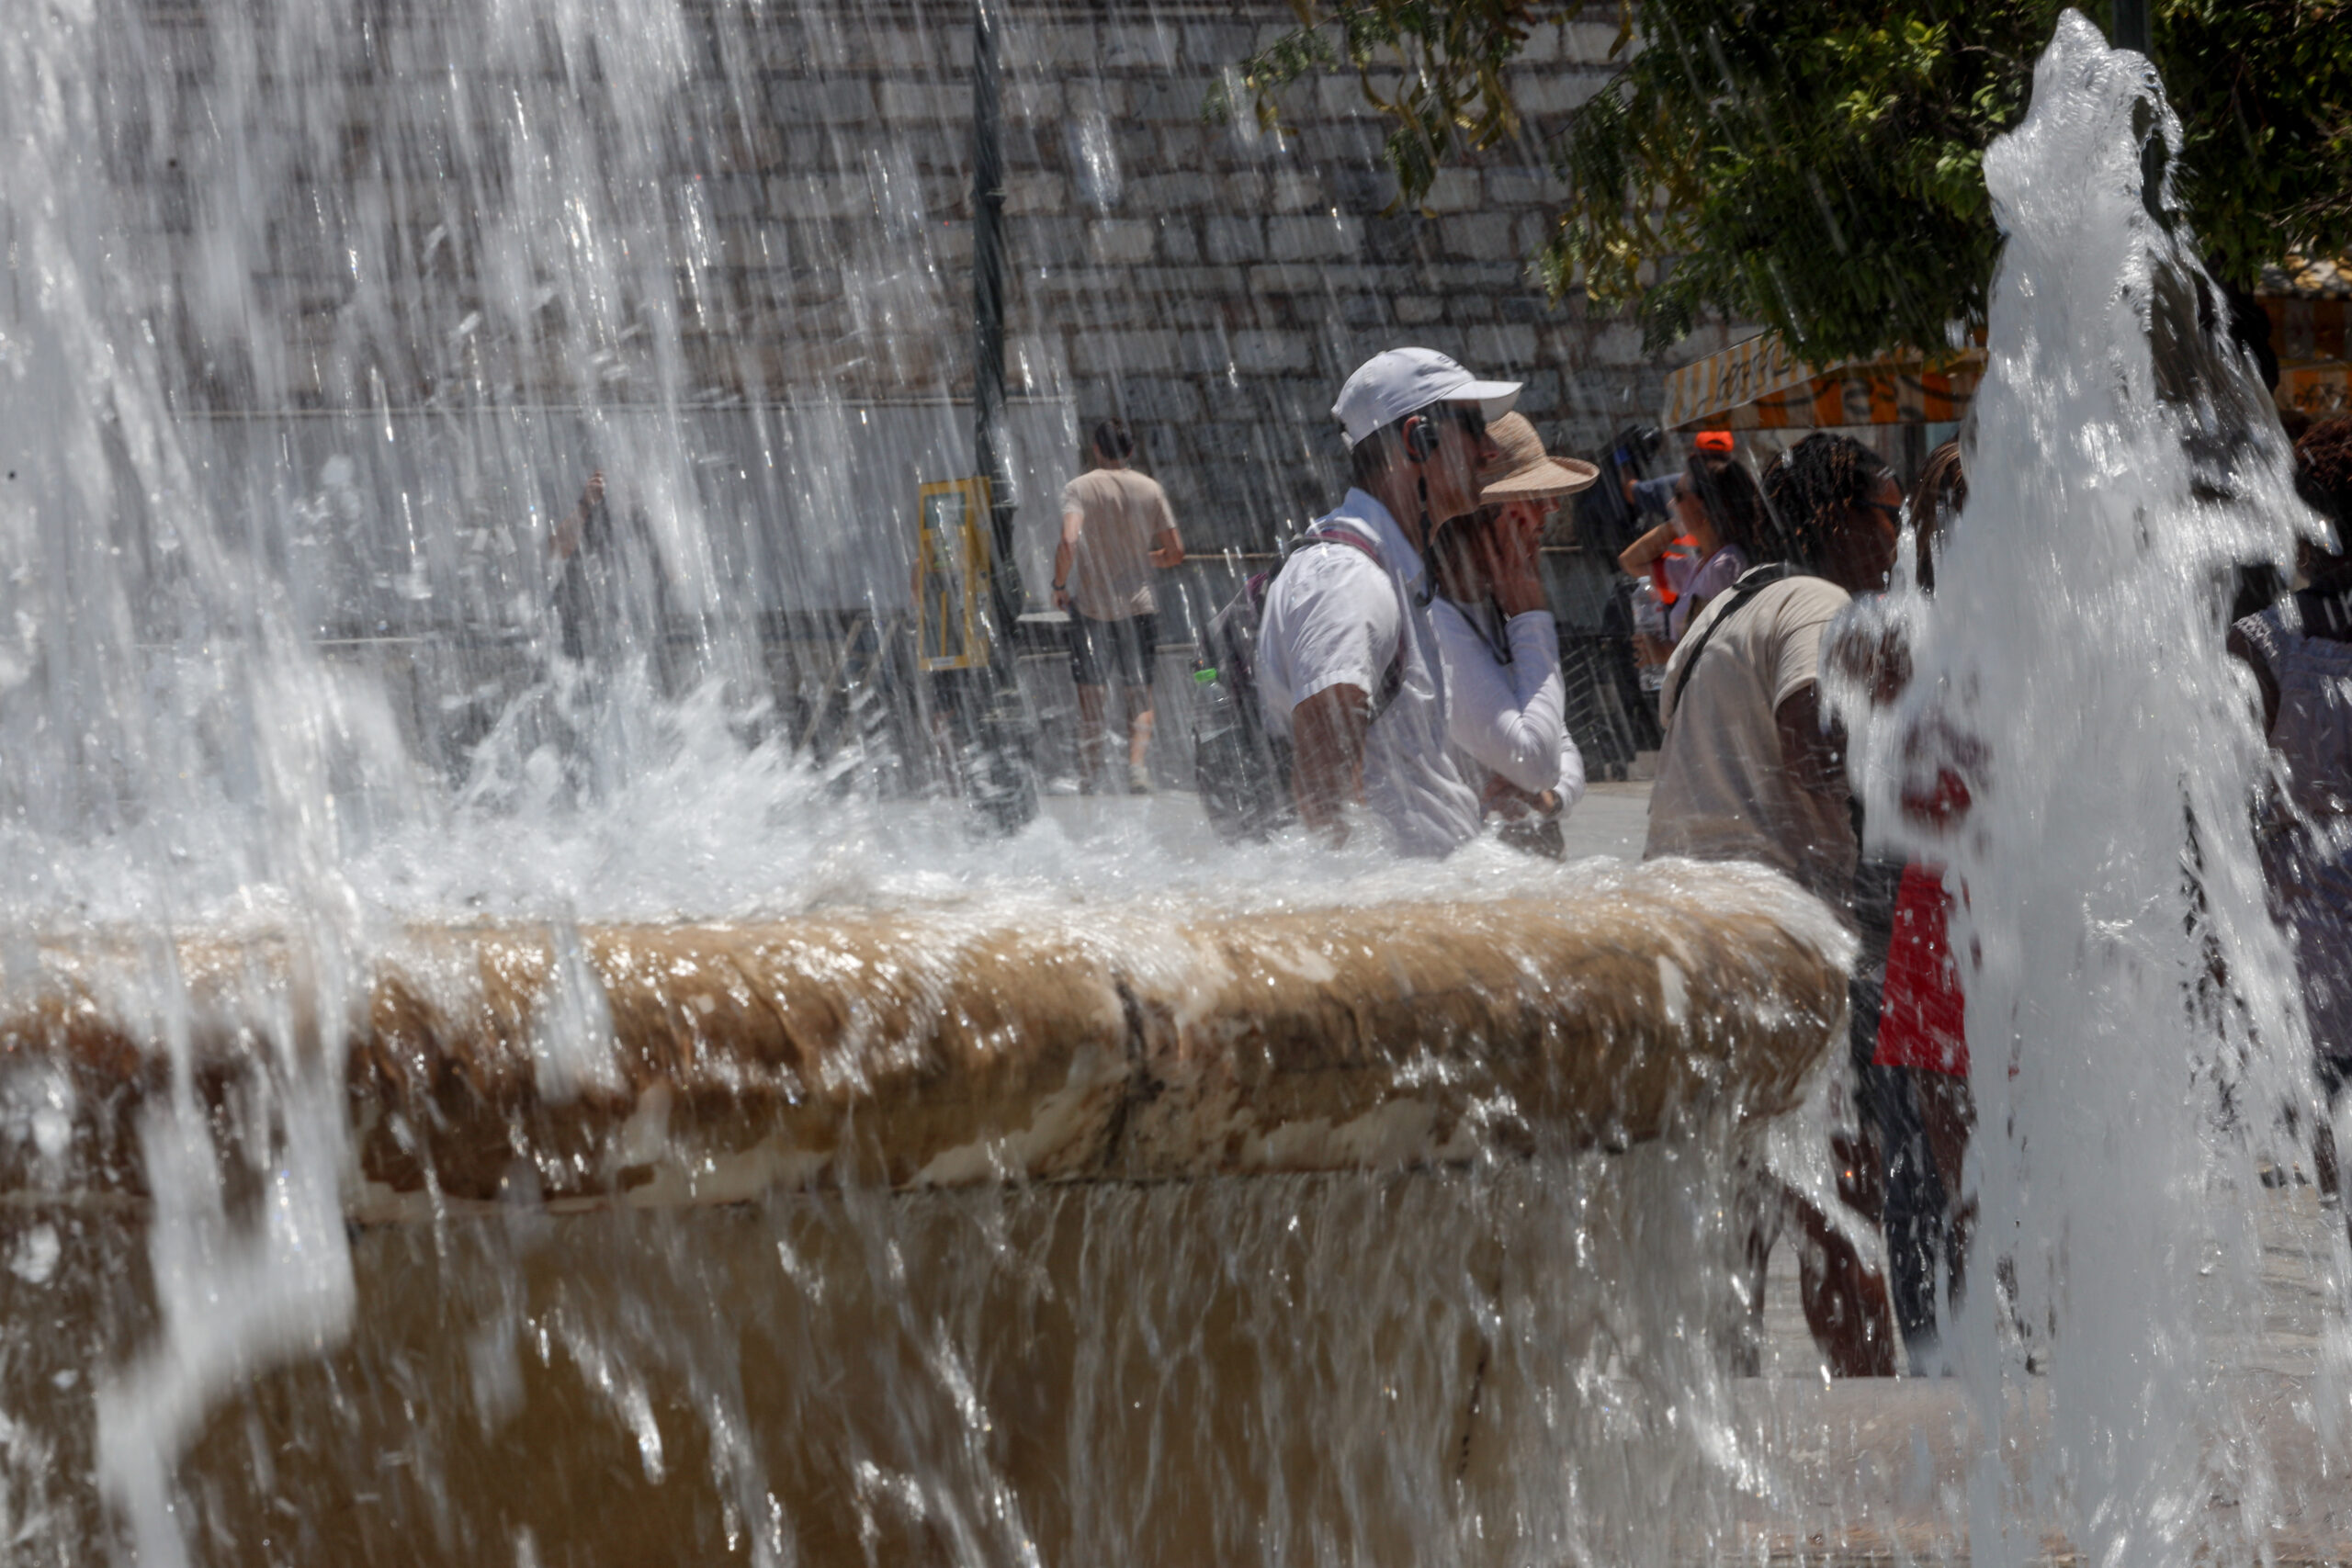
point(238, 571)
point(2134, 1028)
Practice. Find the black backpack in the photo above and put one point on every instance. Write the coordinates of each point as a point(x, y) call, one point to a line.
point(1242, 769)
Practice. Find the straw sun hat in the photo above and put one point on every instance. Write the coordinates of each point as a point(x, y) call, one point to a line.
point(1525, 472)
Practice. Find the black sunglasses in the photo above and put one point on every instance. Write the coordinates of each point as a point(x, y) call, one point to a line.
point(1470, 416)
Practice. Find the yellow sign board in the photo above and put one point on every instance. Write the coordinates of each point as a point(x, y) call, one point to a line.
point(951, 574)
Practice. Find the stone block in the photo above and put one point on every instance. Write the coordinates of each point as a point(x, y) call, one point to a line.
point(1098, 352)
point(1413, 309)
point(1043, 47)
point(819, 195)
point(1300, 277)
point(1264, 351)
point(1271, 33)
point(1617, 344)
point(820, 100)
point(1314, 239)
point(726, 198)
point(1031, 99)
point(1211, 46)
point(1399, 239)
point(1136, 45)
point(1454, 190)
point(1501, 347)
point(1180, 240)
point(1033, 193)
point(1542, 45)
point(1110, 99)
point(917, 101)
point(875, 42)
point(1052, 241)
point(1037, 364)
point(1589, 43)
point(1122, 241)
point(1530, 231)
point(1162, 194)
point(1468, 309)
point(1298, 191)
point(1478, 236)
point(1209, 352)
point(809, 150)
point(1234, 239)
point(1342, 95)
point(1539, 393)
point(1243, 190)
point(1453, 275)
point(1162, 399)
point(1555, 92)
point(1524, 187)
point(1217, 282)
point(1179, 100)
point(1534, 306)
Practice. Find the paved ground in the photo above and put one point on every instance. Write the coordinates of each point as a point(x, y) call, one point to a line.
point(1610, 820)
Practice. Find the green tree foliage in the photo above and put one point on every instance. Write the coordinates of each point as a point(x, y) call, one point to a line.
point(1815, 164)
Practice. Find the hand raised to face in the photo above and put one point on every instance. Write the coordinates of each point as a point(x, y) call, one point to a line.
point(1510, 551)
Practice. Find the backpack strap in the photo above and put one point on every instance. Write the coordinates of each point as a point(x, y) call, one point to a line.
point(1751, 582)
point(1391, 679)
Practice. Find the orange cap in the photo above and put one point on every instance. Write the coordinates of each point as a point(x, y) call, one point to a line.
point(1713, 441)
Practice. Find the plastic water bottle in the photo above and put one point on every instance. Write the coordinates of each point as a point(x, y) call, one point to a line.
point(1649, 620)
point(1213, 706)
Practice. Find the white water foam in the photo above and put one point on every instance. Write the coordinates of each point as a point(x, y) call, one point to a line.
point(2133, 1027)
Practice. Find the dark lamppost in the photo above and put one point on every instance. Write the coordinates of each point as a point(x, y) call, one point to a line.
point(999, 771)
point(2131, 29)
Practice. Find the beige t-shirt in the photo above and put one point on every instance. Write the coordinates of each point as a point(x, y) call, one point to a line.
point(1722, 790)
point(1110, 573)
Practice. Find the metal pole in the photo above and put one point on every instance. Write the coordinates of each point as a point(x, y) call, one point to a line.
point(988, 316)
point(2131, 29)
point(999, 777)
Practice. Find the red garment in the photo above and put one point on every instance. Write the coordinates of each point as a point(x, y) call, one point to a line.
point(1922, 1019)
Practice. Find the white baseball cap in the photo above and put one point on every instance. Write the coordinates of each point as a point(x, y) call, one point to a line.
point(1389, 386)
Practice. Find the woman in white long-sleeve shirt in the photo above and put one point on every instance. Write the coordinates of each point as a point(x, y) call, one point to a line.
point(1499, 649)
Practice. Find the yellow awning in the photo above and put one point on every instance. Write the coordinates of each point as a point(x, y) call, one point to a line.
point(1758, 384)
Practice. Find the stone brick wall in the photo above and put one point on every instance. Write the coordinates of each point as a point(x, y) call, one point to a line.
point(1210, 283)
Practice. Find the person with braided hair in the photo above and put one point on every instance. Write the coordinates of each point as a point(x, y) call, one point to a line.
point(1752, 770)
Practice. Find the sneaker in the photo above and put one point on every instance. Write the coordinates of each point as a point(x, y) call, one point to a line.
point(1138, 778)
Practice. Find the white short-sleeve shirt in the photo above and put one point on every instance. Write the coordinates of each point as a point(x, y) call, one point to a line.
point(1337, 617)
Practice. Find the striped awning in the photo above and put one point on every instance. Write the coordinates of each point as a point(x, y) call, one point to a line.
point(1757, 385)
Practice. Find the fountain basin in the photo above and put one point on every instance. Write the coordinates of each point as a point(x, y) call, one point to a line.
point(660, 1064)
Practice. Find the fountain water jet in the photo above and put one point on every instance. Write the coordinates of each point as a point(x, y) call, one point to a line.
point(2132, 1024)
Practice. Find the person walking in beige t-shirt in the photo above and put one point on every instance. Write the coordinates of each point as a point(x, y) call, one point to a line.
point(1117, 533)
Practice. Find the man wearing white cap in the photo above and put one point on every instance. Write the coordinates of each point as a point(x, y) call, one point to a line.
point(1347, 658)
